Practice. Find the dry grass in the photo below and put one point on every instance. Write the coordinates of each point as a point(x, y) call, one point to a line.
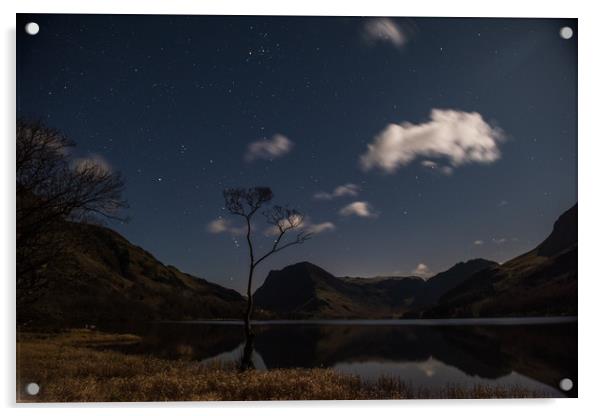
point(68, 370)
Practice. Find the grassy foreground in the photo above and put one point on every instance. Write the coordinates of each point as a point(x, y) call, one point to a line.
point(70, 367)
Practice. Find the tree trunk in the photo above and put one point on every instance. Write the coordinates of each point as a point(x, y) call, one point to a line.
point(249, 312)
point(247, 359)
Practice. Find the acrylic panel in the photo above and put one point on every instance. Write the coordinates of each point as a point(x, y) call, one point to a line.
point(295, 208)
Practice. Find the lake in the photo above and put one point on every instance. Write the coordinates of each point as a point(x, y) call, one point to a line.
point(535, 353)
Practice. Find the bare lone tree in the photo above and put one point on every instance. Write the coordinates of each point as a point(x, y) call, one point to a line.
point(246, 202)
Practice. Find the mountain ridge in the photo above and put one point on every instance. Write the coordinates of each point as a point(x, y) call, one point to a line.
point(305, 290)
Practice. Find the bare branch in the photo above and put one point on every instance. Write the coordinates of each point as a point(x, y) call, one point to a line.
point(285, 219)
point(246, 201)
point(52, 189)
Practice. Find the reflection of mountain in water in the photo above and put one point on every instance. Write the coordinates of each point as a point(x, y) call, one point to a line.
point(542, 352)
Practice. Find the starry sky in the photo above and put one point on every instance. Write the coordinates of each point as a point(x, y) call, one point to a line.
point(409, 143)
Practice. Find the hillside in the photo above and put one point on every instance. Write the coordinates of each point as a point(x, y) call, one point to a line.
point(540, 282)
point(104, 277)
point(441, 283)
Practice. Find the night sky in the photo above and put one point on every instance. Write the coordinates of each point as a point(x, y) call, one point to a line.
point(410, 144)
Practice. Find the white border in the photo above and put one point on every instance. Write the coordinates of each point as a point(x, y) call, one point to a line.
point(590, 194)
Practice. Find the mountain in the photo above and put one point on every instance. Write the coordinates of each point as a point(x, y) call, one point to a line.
point(304, 290)
point(441, 283)
point(538, 283)
point(541, 282)
point(103, 277)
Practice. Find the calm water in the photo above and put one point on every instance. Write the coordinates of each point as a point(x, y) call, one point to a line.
point(531, 352)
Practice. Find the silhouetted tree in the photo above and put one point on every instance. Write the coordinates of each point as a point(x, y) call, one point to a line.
point(246, 202)
point(51, 189)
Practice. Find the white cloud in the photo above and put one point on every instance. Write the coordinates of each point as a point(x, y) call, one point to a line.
point(385, 30)
point(222, 225)
point(422, 270)
point(217, 226)
point(320, 228)
point(359, 208)
point(348, 189)
point(93, 162)
point(478, 242)
point(498, 240)
point(277, 146)
point(454, 136)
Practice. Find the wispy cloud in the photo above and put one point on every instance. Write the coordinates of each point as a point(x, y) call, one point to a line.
point(478, 242)
point(348, 189)
point(269, 149)
point(385, 30)
point(297, 220)
point(320, 228)
point(501, 240)
point(422, 270)
point(358, 208)
point(222, 225)
point(455, 137)
point(306, 225)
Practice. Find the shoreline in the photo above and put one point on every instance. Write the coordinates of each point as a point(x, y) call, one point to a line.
point(498, 321)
